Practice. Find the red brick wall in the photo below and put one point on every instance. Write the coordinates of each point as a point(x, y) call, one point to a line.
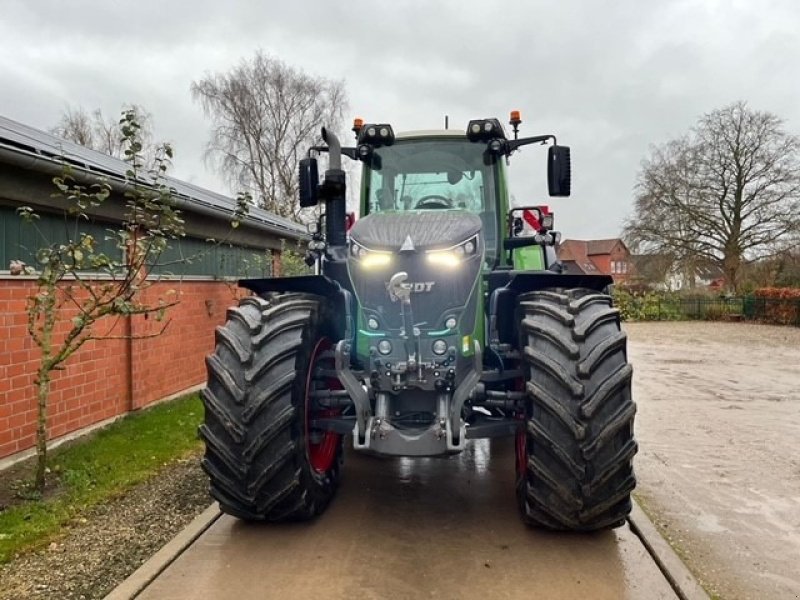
point(95, 382)
point(618, 254)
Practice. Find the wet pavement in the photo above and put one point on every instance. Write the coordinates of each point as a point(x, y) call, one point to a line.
point(414, 528)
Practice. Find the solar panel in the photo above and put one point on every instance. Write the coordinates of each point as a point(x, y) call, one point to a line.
point(27, 141)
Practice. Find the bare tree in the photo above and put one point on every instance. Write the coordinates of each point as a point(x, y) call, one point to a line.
point(265, 115)
point(726, 194)
point(101, 133)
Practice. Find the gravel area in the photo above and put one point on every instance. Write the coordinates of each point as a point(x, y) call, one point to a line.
point(718, 426)
point(111, 541)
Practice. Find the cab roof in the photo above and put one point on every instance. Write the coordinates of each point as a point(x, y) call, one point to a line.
point(424, 133)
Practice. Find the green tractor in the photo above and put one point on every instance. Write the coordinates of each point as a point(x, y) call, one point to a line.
point(435, 319)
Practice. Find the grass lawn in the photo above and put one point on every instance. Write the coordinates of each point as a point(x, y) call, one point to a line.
point(94, 470)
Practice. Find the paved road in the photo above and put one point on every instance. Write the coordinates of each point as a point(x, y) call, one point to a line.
point(421, 528)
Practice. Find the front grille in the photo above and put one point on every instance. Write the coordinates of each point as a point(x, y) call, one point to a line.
point(447, 296)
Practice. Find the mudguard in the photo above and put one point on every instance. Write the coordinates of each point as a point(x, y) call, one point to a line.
point(505, 286)
point(341, 299)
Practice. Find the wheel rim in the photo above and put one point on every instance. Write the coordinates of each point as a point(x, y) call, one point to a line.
point(321, 446)
point(522, 450)
point(521, 439)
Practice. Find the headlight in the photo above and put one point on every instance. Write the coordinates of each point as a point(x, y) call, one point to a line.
point(453, 256)
point(369, 259)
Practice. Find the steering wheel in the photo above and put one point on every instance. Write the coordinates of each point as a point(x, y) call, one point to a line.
point(434, 201)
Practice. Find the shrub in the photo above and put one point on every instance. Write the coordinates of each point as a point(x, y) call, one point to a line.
point(647, 306)
point(780, 306)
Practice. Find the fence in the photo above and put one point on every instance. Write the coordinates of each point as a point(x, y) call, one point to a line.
point(655, 307)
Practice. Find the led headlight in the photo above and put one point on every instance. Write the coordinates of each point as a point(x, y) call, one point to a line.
point(455, 255)
point(369, 259)
point(374, 260)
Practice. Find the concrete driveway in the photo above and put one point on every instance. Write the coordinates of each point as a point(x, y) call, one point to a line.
point(414, 528)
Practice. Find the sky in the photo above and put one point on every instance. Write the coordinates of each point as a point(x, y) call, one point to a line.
point(609, 79)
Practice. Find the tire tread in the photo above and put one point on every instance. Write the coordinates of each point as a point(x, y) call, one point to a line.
point(580, 443)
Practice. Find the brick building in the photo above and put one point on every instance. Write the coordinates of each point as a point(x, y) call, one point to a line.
point(109, 377)
point(597, 257)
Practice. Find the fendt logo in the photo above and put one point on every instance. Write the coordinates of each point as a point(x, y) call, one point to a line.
point(419, 287)
point(422, 286)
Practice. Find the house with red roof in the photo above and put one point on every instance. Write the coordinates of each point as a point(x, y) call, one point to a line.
point(597, 257)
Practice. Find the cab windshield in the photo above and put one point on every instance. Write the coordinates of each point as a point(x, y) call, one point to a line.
point(433, 174)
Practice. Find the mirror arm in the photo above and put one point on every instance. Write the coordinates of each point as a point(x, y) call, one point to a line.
point(512, 145)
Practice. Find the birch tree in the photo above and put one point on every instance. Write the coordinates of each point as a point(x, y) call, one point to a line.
point(265, 115)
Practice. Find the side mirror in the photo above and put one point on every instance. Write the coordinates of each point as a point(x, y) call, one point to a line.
point(559, 171)
point(309, 182)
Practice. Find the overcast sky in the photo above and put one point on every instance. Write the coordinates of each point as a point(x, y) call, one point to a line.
point(608, 78)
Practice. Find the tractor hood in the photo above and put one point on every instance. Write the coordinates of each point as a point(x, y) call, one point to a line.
point(405, 241)
point(425, 228)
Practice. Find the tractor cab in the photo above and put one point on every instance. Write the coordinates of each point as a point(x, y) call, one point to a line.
point(435, 171)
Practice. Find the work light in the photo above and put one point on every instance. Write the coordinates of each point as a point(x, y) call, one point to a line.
point(483, 130)
point(376, 135)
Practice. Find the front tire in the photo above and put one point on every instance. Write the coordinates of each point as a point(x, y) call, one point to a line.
point(574, 456)
point(263, 460)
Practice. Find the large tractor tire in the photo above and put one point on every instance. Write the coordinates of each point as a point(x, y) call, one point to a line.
point(263, 459)
point(574, 456)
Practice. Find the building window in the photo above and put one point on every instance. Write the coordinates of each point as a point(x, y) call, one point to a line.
point(613, 266)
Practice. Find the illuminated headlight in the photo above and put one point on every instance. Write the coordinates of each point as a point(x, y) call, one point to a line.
point(369, 259)
point(372, 323)
point(451, 323)
point(385, 347)
point(452, 257)
point(439, 347)
point(375, 260)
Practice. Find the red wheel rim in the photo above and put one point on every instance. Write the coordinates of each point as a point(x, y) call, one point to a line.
point(321, 452)
point(521, 440)
point(522, 450)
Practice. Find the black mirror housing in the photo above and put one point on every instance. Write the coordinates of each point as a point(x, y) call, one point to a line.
point(309, 182)
point(559, 171)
